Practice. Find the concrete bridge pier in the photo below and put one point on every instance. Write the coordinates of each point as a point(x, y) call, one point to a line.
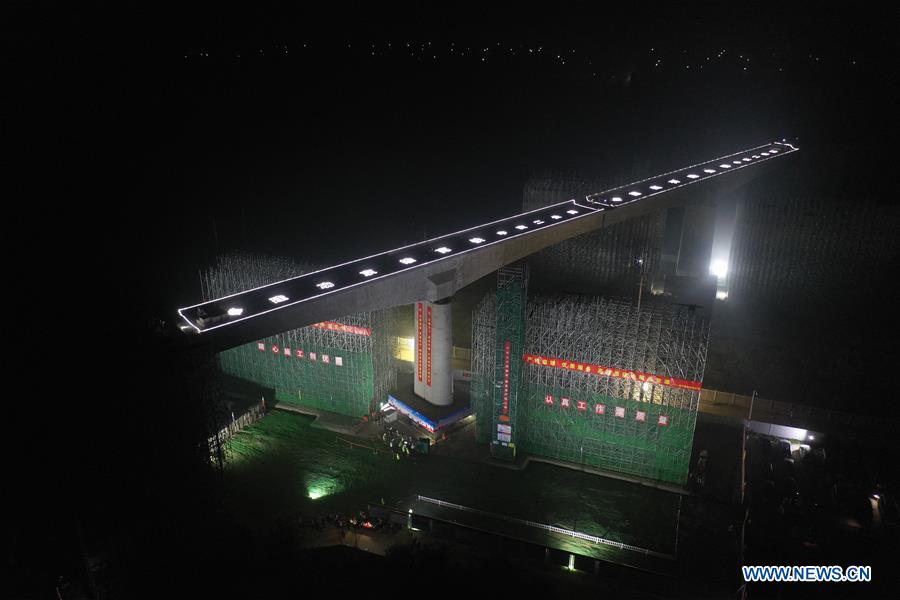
point(433, 371)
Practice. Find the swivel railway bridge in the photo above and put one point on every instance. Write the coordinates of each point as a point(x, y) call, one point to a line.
point(616, 387)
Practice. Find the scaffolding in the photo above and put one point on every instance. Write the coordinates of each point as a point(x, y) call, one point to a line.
point(790, 246)
point(345, 368)
point(618, 256)
point(509, 346)
point(484, 327)
point(616, 423)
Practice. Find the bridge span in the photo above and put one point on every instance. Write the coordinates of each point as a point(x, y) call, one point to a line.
point(435, 269)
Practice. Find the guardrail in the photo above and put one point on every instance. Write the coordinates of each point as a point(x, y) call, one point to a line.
point(796, 412)
point(552, 528)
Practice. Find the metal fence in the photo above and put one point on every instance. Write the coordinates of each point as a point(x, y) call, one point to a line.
point(552, 528)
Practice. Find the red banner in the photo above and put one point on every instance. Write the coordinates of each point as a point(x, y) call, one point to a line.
point(332, 326)
point(428, 351)
point(506, 347)
point(572, 365)
point(419, 342)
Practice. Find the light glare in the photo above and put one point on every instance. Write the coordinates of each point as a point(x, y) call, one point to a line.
point(719, 268)
point(278, 299)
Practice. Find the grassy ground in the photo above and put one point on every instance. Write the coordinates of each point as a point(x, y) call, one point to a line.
point(282, 466)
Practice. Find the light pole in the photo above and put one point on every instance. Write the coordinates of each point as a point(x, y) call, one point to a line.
point(641, 283)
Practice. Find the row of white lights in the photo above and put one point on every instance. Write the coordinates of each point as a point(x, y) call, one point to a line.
point(406, 260)
point(709, 171)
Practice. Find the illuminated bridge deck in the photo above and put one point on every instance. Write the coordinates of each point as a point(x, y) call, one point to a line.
point(354, 285)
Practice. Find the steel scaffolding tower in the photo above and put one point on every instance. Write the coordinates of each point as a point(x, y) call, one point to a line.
point(509, 346)
point(605, 258)
point(615, 423)
point(345, 367)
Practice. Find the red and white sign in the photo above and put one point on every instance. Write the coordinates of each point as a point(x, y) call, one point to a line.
point(641, 416)
point(565, 402)
point(419, 342)
point(620, 412)
point(339, 361)
point(548, 399)
point(581, 405)
point(663, 420)
point(275, 348)
point(326, 359)
point(261, 346)
point(599, 409)
point(572, 365)
point(312, 356)
point(428, 351)
point(506, 349)
point(298, 353)
point(287, 351)
point(333, 326)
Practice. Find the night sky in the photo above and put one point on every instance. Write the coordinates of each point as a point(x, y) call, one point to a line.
point(145, 139)
point(180, 133)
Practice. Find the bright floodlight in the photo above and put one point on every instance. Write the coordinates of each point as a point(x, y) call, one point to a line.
point(756, 156)
point(655, 187)
point(368, 272)
point(325, 285)
point(634, 193)
point(442, 250)
point(692, 176)
point(278, 299)
point(235, 312)
point(476, 240)
point(674, 181)
point(719, 268)
point(745, 159)
point(556, 217)
point(407, 261)
point(502, 232)
point(538, 222)
point(572, 211)
point(709, 170)
point(725, 166)
point(764, 153)
point(773, 150)
point(521, 227)
point(737, 162)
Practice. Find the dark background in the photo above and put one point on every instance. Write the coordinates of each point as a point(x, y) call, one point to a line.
point(148, 138)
